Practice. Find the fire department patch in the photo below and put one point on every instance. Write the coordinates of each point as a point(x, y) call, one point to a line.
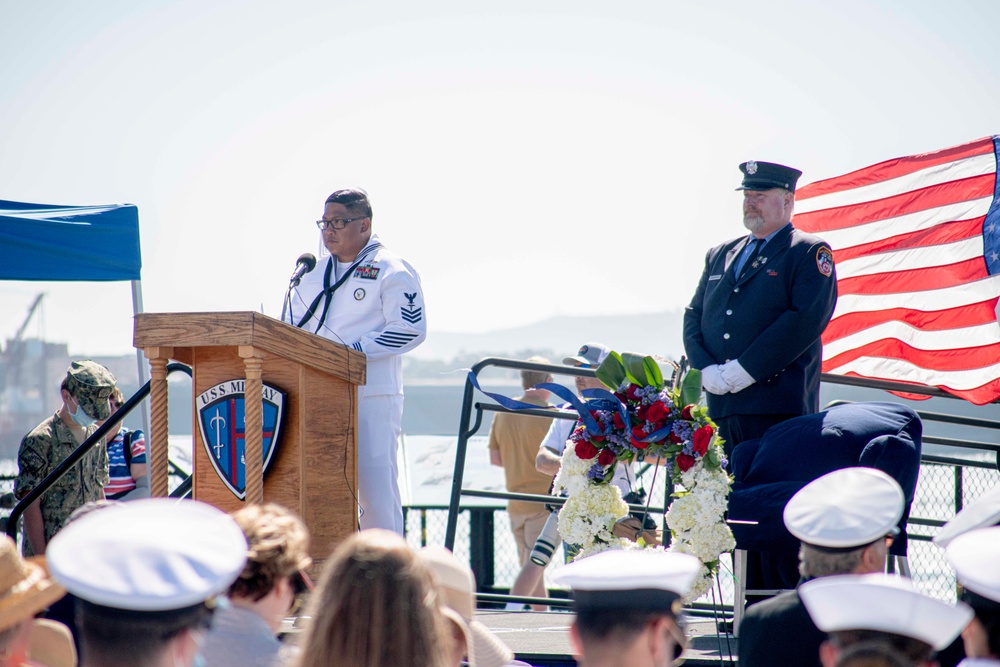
point(221, 412)
point(824, 260)
point(367, 272)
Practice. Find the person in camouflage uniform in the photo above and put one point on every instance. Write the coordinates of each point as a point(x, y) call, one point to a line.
point(85, 393)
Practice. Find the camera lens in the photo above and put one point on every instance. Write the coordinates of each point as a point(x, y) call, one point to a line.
point(547, 542)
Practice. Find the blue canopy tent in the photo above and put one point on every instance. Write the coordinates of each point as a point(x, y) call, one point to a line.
point(73, 243)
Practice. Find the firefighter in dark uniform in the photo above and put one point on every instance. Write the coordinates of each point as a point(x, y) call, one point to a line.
point(753, 327)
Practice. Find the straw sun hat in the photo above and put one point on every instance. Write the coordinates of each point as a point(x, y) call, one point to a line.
point(26, 587)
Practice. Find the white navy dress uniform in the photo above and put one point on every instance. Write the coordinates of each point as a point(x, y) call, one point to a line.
point(377, 307)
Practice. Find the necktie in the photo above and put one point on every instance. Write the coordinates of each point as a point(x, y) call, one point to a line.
point(756, 243)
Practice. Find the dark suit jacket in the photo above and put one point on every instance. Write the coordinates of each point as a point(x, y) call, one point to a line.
point(770, 320)
point(779, 632)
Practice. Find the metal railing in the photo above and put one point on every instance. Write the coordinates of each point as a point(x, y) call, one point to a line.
point(94, 440)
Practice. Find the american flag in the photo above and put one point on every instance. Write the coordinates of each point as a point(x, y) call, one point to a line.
point(917, 246)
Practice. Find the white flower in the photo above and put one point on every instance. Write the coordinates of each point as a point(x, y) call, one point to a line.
point(590, 514)
point(696, 517)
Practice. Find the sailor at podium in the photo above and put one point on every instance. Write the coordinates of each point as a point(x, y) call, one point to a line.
point(369, 298)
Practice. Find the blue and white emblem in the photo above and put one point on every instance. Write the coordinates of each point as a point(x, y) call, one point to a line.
point(412, 313)
point(221, 411)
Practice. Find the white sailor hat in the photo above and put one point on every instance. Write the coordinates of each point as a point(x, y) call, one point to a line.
point(983, 512)
point(845, 509)
point(883, 603)
point(642, 579)
point(975, 556)
point(151, 555)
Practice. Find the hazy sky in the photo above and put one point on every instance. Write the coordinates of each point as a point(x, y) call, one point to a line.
point(529, 158)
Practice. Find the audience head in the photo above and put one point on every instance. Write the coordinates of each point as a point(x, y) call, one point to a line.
point(530, 379)
point(845, 521)
point(879, 607)
point(277, 558)
point(590, 355)
point(146, 575)
point(628, 603)
point(375, 604)
point(975, 556)
point(86, 390)
point(457, 590)
point(26, 588)
point(874, 653)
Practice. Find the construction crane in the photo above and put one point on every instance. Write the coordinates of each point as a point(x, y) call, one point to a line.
point(12, 357)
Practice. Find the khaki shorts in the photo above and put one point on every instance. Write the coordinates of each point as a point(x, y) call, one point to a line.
point(526, 528)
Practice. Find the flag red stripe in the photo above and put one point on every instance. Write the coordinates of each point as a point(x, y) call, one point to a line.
point(952, 359)
point(980, 395)
point(940, 320)
point(894, 168)
point(915, 280)
point(933, 196)
point(937, 235)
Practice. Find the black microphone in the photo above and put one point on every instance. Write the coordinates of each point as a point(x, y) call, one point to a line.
point(303, 265)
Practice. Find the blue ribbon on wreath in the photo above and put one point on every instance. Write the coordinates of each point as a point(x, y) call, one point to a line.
point(596, 399)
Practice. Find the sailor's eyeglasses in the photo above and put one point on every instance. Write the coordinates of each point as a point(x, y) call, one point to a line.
point(336, 224)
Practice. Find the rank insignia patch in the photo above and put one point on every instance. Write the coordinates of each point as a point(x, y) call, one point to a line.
point(411, 313)
point(221, 412)
point(824, 261)
point(367, 272)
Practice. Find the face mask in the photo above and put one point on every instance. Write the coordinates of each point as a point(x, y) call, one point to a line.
point(81, 418)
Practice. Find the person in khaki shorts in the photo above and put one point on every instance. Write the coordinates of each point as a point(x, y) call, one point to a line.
point(513, 443)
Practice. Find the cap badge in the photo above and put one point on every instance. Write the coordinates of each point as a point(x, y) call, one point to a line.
point(751, 168)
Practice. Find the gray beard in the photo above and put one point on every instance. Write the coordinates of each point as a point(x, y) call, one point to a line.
point(753, 222)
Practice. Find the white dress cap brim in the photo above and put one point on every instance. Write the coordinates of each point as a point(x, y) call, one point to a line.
point(846, 508)
point(975, 556)
point(156, 554)
point(884, 603)
point(625, 570)
point(983, 512)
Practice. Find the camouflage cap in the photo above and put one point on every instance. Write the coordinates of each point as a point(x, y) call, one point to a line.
point(91, 384)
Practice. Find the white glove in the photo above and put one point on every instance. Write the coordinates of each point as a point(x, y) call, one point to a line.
point(711, 380)
point(735, 377)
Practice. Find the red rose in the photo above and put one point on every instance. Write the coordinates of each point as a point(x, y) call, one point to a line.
point(638, 433)
point(621, 397)
point(598, 438)
point(642, 413)
point(674, 438)
point(585, 450)
point(630, 392)
point(684, 462)
point(657, 412)
point(686, 412)
point(616, 419)
point(606, 457)
point(702, 437)
point(596, 415)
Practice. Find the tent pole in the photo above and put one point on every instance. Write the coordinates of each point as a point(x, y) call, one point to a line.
point(140, 359)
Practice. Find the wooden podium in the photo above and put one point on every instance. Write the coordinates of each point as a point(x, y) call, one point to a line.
point(314, 469)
